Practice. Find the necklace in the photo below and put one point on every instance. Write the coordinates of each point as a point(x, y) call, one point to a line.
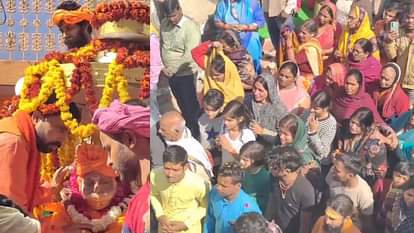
point(102, 223)
point(284, 189)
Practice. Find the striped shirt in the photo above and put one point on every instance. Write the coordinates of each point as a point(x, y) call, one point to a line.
point(321, 141)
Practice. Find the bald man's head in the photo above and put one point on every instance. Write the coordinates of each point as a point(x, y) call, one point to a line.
point(172, 126)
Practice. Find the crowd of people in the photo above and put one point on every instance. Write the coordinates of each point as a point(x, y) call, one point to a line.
point(322, 143)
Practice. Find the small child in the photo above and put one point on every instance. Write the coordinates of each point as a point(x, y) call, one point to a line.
point(210, 122)
point(256, 181)
point(236, 132)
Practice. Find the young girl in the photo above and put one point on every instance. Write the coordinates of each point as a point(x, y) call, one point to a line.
point(256, 180)
point(293, 132)
point(236, 132)
point(210, 121)
point(321, 128)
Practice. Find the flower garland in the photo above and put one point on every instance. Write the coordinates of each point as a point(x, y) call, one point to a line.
point(49, 71)
point(66, 153)
point(44, 78)
point(102, 223)
point(81, 77)
point(9, 106)
point(47, 168)
point(117, 10)
point(114, 79)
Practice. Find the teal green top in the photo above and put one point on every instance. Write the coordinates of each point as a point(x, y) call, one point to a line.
point(258, 186)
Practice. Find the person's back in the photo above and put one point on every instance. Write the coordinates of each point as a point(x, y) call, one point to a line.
point(19, 168)
point(13, 219)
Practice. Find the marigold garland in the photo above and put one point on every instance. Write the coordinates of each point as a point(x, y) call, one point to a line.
point(117, 10)
point(114, 79)
point(47, 168)
point(45, 77)
point(51, 71)
point(66, 153)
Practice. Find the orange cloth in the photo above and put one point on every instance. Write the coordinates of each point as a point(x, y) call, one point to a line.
point(20, 161)
point(72, 17)
point(53, 217)
point(348, 227)
point(89, 158)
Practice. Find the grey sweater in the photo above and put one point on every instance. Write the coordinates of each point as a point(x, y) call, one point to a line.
point(321, 141)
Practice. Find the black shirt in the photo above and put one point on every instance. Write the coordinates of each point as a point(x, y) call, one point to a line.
point(286, 211)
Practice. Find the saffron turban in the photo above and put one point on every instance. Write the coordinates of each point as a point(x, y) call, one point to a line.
point(119, 117)
point(72, 16)
point(89, 158)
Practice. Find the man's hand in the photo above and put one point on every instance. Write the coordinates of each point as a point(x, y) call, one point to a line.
point(287, 34)
point(164, 224)
point(239, 27)
point(313, 124)
point(65, 194)
point(217, 44)
point(166, 73)
point(77, 228)
point(391, 36)
point(257, 129)
point(225, 144)
point(178, 226)
point(59, 176)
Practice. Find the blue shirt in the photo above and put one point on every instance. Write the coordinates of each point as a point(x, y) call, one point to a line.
point(222, 213)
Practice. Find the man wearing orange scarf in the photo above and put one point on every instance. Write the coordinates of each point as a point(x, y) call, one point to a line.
point(337, 218)
point(74, 23)
point(22, 138)
point(125, 130)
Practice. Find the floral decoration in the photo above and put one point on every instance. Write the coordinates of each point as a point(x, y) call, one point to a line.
point(117, 10)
